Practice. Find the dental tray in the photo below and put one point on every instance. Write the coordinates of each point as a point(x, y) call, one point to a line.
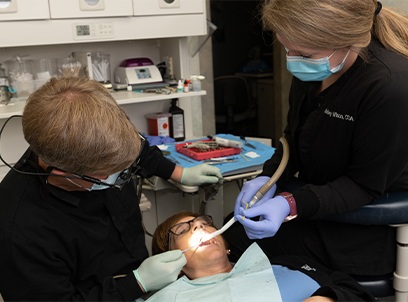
point(197, 154)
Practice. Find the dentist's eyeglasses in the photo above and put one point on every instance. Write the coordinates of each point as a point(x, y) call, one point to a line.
point(124, 177)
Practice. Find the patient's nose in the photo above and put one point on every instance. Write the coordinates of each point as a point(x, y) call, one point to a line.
point(198, 225)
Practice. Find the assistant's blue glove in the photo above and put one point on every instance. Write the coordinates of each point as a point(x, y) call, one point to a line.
point(249, 190)
point(272, 211)
point(160, 270)
point(200, 174)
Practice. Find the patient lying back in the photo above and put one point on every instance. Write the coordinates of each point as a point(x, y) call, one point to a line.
point(209, 275)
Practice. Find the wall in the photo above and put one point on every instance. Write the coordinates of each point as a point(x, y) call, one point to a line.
point(239, 37)
point(401, 5)
point(206, 68)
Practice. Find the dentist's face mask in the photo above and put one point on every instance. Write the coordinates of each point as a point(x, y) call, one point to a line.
point(308, 70)
point(111, 180)
point(104, 184)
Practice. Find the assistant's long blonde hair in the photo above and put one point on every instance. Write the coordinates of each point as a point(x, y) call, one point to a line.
point(332, 24)
point(75, 124)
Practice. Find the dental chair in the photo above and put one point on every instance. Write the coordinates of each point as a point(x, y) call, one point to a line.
point(390, 209)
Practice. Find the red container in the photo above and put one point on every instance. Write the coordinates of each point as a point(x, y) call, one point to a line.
point(159, 124)
point(197, 154)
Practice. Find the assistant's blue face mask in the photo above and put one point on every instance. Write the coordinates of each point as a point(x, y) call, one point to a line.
point(308, 70)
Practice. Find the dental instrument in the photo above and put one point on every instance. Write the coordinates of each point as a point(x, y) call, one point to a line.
point(211, 235)
point(219, 232)
point(191, 247)
point(274, 178)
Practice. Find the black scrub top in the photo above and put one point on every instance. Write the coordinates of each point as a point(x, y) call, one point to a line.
point(71, 246)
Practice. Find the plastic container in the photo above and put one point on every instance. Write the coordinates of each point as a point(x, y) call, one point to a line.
point(20, 72)
point(159, 124)
point(197, 154)
point(101, 67)
point(44, 69)
point(180, 86)
point(196, 82)
point(70, 67)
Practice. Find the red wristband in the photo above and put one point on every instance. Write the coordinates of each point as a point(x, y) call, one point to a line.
point(292, 203)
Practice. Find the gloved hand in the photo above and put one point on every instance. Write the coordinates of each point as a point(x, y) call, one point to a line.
point(272, 211)
point(160, 270)
point(200, 174)
point(249, 190)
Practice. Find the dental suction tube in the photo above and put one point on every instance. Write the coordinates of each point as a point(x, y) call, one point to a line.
point(274, 178)
point(261, 192)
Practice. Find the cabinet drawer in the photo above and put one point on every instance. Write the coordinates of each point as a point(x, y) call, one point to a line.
point(24, 10)
point(167, 7)
point(63, 9)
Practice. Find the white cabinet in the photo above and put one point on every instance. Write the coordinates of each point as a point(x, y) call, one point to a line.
point(23, 10)
point(68, 9)
point(167, 7)
point(156, 36)
point(71, 24)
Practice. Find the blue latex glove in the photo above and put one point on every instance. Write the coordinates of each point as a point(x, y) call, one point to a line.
point(200, 174)
point(249, 190)
point(272, 211)
point(160, 270)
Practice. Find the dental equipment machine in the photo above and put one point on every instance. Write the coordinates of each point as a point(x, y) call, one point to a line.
point(261, 192)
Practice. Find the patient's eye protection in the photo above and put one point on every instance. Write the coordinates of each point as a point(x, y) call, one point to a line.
point(183, 227)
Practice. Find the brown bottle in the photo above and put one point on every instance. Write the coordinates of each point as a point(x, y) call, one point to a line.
point(176, 121)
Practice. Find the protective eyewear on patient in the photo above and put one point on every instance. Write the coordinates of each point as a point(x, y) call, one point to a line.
point(183, 227)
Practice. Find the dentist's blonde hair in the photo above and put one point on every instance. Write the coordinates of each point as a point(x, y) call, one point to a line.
point(75, 124)
point(334, 24)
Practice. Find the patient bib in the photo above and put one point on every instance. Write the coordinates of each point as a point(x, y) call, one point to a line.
point(251, 279)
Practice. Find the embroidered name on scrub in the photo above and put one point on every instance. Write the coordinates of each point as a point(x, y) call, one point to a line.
point(340, 116)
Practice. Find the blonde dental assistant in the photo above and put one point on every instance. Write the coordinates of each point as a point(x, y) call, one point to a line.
point(347, 129)
point(70, 223)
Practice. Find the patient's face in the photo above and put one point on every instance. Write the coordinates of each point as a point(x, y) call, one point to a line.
point(212, 252)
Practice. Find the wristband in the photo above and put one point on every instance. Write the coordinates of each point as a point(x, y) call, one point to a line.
point(292, 205)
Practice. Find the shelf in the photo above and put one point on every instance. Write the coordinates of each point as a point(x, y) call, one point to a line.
point(122, 97)
point(125, 97)
point(11, 109)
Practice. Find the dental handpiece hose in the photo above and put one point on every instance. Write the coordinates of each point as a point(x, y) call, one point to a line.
point(274, 178)
point(261, 192)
